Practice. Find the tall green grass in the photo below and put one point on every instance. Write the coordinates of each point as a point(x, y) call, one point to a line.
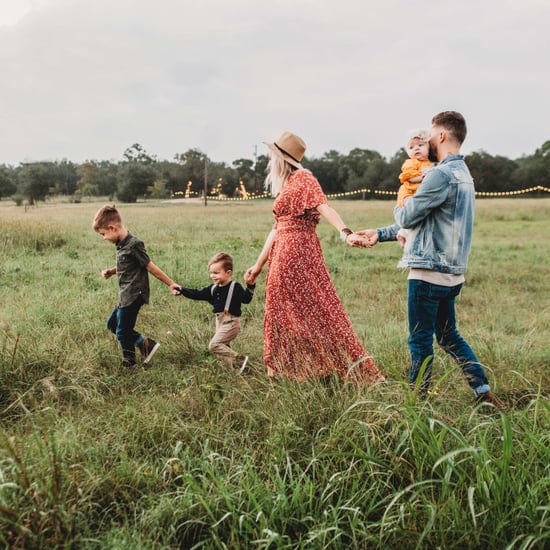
point(187, 455)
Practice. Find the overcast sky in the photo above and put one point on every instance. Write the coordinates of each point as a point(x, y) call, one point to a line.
point(85, 79)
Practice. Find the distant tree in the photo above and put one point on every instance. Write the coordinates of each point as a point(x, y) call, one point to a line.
point(220, 173)
point(382, 176)
point(491, 173)
point(544, 150)
point(330, 171)
point(134, 180)
point(7, 183)
point(386, 177)
point(172, 174)
point(244, 170)
point(193, 163)
point(136, 153)
point(365, 169)
point(260, 172)
point(37, 180)
point(88, 179)
point(243, 167)
point(158, 189)
point(66, 177)
point(357, 160)
point(534, 169)
point(108, 177)
point(136, 174)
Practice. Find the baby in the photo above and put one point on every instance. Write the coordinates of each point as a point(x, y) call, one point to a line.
point(413, 170)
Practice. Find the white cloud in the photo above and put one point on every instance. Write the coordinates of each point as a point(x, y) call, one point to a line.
point(87, 78)
point(12, 11)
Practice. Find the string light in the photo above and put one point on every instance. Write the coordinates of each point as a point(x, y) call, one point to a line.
point(512, 193)
point(376, 192)
point(237, 199)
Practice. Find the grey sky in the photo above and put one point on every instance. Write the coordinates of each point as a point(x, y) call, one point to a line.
point(85, 79)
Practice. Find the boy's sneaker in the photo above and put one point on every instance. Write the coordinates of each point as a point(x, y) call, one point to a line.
point(243, 365)
point(488, 398)
point(148, 348)
point(129, 366)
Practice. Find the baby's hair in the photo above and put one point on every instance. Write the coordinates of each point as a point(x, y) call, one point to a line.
point(222, 257)
point(422, 135)
point(107, 215)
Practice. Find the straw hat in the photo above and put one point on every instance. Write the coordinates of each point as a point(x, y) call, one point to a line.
point(289, 147)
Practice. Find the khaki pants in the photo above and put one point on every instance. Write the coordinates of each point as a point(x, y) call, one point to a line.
point(227, 329)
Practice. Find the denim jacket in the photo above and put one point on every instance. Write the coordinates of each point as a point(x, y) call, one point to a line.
point(440, 219)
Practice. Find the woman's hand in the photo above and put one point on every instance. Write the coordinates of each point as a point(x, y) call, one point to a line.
point(252, 274)
point(370, 236)
point(358, 241)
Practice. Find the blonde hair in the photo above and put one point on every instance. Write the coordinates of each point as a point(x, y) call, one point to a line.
point(279, 171)
point(421, 134)
point(222, 257)
point(107, 215)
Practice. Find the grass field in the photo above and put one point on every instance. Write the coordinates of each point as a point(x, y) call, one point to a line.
point(186, 455)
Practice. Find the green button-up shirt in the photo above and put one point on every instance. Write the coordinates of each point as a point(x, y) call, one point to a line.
point(131, 270)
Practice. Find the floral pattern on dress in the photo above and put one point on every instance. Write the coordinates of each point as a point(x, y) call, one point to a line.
point(307, 332)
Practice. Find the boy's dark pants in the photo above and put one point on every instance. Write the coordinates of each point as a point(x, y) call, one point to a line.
point(122, 322)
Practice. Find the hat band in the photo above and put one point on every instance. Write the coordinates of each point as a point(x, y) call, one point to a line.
point(286, 153)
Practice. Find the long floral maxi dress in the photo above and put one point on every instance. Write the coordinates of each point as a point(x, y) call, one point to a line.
point(307, 333)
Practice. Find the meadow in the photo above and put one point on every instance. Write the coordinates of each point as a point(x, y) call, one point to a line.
point(188, 455)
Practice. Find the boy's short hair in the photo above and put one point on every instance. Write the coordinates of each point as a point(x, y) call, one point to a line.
point(107, 215)
point(453, 122)
point(419, 133)
point(222, 257)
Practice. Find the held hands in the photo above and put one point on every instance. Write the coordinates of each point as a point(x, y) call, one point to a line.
point(174, 289)
point(252, 274)
point(366, 238)
point(357, 241)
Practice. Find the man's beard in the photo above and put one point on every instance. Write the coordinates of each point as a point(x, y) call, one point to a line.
point(432, 155)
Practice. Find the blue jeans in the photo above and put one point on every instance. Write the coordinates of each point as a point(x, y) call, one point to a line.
point(432, 310)
point(122, 322)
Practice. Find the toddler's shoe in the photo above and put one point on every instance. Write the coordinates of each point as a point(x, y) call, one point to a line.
point(243, 359)
point(148, 348)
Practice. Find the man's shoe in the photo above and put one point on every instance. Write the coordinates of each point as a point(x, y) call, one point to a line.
point(488, 398)
point(148, 348)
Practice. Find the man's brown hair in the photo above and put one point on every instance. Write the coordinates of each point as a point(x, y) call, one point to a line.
point(107, 215)
point(453, 122)
point(222, 257)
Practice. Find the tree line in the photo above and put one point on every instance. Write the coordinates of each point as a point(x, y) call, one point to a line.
point(141, 175)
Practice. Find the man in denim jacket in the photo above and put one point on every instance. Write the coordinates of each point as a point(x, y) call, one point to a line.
point(440, 220)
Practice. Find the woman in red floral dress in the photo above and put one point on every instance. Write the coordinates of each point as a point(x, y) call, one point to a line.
point(307, 333)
